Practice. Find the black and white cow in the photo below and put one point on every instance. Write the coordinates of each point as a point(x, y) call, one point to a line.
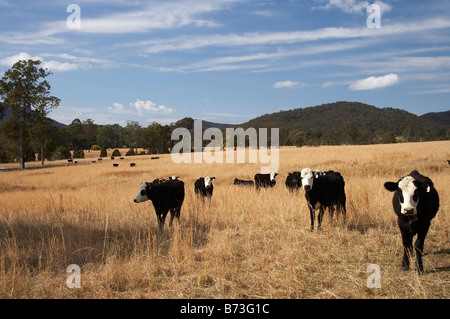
point(415, 203)
point(293, 181)
point(323, 191)
point(265, 180)
point(242, 182)
point(165, 196)
point(203, 187)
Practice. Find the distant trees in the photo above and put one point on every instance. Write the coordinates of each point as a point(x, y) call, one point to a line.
point(27, 94)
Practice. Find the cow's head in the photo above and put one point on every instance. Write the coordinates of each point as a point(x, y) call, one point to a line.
point(173, 178)
point(296, 178)
point(307, 176)
point(142, 194)
point(208, 181)
point(272, 176)
point(409, 190)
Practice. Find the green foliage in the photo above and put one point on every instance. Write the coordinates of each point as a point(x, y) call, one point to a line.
point(130, 152)
point(62, 152)
point(77, 153)
point(95, 147)
point(103, 152)
point(49, 149)
point(116, 152)
point(24, 90)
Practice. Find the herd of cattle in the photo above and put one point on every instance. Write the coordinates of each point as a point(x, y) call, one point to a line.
point(415, 200)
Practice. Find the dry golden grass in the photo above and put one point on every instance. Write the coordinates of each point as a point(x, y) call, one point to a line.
point(243, 244)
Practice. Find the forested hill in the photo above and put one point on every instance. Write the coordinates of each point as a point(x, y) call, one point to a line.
point(352, 123)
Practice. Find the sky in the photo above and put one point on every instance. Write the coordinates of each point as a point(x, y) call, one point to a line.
point(229, 61)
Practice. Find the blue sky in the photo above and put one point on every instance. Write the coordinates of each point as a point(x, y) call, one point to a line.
point(230, 60)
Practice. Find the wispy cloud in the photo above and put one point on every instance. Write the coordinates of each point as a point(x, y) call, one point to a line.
point(288, 84)
point(353, 6)
point(66, 62)
point(374, 83)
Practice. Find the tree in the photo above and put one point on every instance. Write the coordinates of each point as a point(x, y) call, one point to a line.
point(132, 134)
point(23, 90)
point(103, 152)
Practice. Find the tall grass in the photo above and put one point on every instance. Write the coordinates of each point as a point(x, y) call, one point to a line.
point(241, 244)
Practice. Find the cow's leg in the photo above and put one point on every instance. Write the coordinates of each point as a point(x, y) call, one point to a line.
point(312, 213)
point(174, 212)
point(320, 217)
point(161, 218)
point(407, 248)
point(331, 213)
point(418, 246)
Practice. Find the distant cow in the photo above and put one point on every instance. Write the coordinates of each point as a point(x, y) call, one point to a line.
point(323, 191)
point(293, 181)
point(243, 182)
point(203, 187)
point(132, 164)
point(70, 160)
point(100, 159)
point(415, 203)
point(154, 157)
point(112, 157)
point(94, 161)
point(165, 196)
point(265, 180)
point(115, 165)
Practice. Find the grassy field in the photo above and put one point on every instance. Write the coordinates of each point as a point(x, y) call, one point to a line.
point(242, 244)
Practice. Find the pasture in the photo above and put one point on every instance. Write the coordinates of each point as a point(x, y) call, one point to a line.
point(241, 244)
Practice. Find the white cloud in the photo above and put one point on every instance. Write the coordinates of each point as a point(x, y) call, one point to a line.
point(373, 83)
point(288, 84)
point(150, 106)
point(75, 63)
point(353, 6)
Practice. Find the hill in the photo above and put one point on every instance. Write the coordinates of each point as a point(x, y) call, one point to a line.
point(438, 117)
point(351, 123)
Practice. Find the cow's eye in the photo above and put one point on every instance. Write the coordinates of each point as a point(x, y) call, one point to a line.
point(142, 192)
point(401, 197)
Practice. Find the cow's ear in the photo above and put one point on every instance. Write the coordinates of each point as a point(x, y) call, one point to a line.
point(391, 186)
point(425, 186)
point(213, 178)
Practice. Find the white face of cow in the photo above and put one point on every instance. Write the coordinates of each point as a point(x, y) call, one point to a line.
point(208, 181)
point(272, 176)
point(142, 194)
point(408, 196)
point(307, 178)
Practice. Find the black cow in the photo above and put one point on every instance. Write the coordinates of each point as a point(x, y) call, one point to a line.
point(323, 191)
point(243, 182)
point(415, 203)
point(293, 181)
point(265, 180)
point(165, 196)
point(203, 187)
point(70, 160)
point(115, 165)
point(132, 164)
